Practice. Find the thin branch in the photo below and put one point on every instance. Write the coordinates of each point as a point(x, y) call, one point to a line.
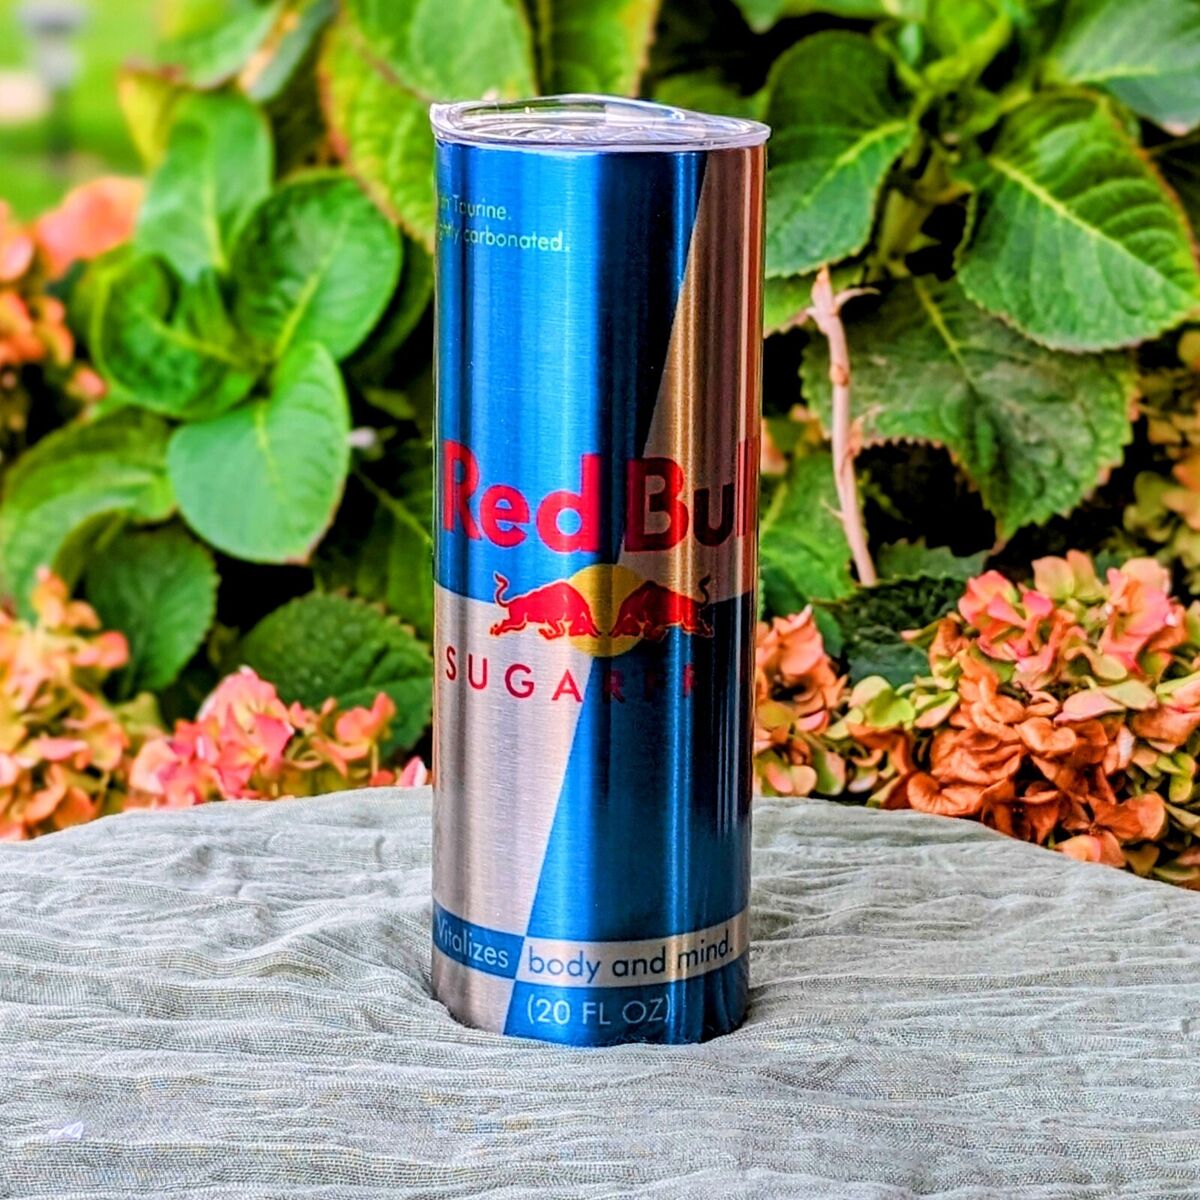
point(826, 314)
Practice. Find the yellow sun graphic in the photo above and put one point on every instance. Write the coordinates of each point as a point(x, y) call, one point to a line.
point(604, 586)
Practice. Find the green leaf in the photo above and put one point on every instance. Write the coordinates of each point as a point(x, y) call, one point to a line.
point(380, 130)
point(762, 14)
point(388, 559)
point(872, 619)
point(321, 646)
point(262, 482)
point(802, 547)
point(317, 262)
point(708, 91)
point(838, 129)
point(159, 588)
point(967, 34)
point(1075, 240)
point(147, 99)
point(212, 49)
point(916, 560)
point(1147, 54)
point(1032, 429)
point(784, 299)
point(594, 45)
point(216, 168)
point(451, 49)
point(70, 480)
point(290, 43)
point(166, 347)
point(383, 65)
point(409, 304)
point(1180, 164)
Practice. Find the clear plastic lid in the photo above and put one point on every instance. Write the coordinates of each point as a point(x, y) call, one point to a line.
point(585, 122)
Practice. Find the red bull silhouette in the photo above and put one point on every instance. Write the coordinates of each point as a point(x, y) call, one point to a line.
point(556, 609)
point(650, 610)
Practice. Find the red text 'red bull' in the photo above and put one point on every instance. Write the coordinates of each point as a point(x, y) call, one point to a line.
point(599, 268)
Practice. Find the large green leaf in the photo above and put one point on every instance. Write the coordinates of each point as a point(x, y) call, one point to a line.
point(410, 301)
point(1032, 429)
point(451, 49)
point(164, 346)
point(380, 130)
point(275, 67)
point(1075, 240)
point(262, 482)
point(72, 478)
point(212, 43)
point(762, 14)
point(317, 262)
point(159, 588)
point(216, 168)
point(384, 64)
point(916, 560)
point(147, 99)
point(709, 91)
point(321, 646)
point(594, 45)
point(838, 129)
point(803, 552)
point(388, 559)
point(1145, 52)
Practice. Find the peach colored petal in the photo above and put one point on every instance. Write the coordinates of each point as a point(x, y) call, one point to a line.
point(1167, 725)
point(92, 220)
point(1083, 848)
point(1083, 706)
point(1042, 736)
point(925, 795)
point(1139, 818)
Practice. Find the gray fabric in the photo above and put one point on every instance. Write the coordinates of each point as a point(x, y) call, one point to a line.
point(233, 1001)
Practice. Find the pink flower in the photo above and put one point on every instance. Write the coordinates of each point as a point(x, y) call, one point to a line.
point(246, 744)
point(93, 219)
point(16, 247)
point(1141, 613)
point(415, 774)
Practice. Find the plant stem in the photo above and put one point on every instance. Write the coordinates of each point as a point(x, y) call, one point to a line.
point(826, 313)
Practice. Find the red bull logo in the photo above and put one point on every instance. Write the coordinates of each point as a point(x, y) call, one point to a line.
point(651, 610)
point(561, 609)
point(661, 508)
point(556, 610)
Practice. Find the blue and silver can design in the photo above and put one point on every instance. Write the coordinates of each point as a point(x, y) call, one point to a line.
point(599, 297)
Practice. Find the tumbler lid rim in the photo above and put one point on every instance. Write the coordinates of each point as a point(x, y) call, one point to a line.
point(582, 122)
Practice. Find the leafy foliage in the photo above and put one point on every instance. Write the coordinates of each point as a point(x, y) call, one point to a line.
point(1064, 177)
point(160, 588)
point(837, 130)
point(262, 482)
point(246, 472)
point(1032, 429)
point(217, 164)
point(803, 552)
point(318, 262)
point(114, 468)
point(320, 646)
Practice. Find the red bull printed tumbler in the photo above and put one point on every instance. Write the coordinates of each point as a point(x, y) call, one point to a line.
point(599, 311)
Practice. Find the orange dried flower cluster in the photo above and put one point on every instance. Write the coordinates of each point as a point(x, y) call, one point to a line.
point(1065, 713)
point(63, 750)
point(246, 744)
point(797, 692)
point(33, 324)
point(67, 755)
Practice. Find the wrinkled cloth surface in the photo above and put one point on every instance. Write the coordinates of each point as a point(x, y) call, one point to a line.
point(233, 1001)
